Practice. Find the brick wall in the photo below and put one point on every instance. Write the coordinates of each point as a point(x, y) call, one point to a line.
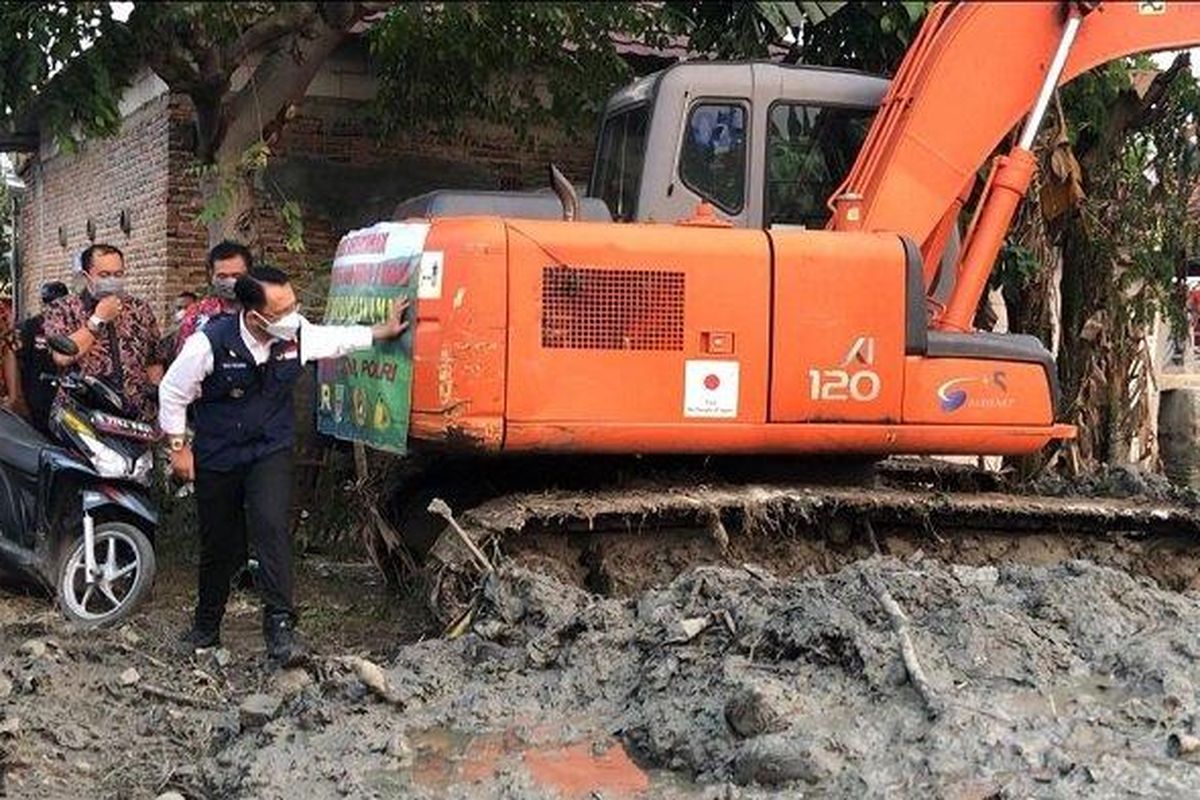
point(186, 238)
point(340, 132)
point(343, 132)
point(146, 169)
point(127, 171)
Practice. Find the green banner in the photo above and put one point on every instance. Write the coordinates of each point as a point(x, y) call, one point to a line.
point(366, 396)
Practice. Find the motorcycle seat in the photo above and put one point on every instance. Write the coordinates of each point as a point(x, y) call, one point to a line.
point(21, 445)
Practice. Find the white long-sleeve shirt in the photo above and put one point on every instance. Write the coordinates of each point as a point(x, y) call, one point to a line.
point(180, 387)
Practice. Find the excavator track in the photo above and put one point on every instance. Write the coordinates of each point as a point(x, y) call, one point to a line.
point(618, 540)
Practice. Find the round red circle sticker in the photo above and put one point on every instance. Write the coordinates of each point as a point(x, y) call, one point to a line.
point(711, 382)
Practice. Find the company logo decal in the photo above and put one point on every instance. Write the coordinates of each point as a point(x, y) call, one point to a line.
point(983, 392)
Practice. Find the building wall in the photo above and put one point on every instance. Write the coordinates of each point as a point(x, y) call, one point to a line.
point(65, 190)
point(330, 159)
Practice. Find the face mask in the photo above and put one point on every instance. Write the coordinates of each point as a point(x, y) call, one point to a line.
point(179, 315)
point(284, 329)
point(223, 288)
point(103, 287)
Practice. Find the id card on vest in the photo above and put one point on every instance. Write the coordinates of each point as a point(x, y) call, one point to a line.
point(366, 396)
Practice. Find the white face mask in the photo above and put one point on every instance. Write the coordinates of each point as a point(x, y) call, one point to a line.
point(223, 288)
point(284, 329)
point(103, 287)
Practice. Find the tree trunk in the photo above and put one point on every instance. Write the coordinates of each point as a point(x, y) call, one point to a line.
point(239, 221)
point(258, 111)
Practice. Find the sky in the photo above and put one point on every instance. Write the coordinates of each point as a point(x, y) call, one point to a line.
point(1165, 58)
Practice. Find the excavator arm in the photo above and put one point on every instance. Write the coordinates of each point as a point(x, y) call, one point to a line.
point(973, 72)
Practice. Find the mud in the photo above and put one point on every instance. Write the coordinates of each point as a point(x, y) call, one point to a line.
point(1060, 681)
point(1119, 481)
point(1057, 667)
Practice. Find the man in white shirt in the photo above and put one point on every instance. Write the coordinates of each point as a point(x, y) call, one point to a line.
point(238, 375)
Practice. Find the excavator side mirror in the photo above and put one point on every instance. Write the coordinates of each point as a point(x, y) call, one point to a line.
point(63, 345)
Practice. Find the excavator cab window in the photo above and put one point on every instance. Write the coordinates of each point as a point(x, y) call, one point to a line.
point(619, 161)
point(810, 149)
point(712, 162)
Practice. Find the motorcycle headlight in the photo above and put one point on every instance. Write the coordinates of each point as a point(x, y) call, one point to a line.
point(108, 462)
point(143, 467)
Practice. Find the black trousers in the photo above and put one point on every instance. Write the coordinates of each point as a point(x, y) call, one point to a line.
point(251, 501)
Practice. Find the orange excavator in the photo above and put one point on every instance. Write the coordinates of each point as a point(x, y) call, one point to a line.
point(698, 338)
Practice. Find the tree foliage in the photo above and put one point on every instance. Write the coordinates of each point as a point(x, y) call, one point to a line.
point(67, 64)
point(1122, 245)
point(517, 62)
point(872, 37)
point(524, 63)
point(40, 41)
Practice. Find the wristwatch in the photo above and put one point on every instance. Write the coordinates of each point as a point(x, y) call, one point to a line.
point(176, 443)
point(95, 323)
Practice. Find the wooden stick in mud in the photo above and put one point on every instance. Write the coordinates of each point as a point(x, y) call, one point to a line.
point(908, 651)
point(439, 507)
point(177, 697)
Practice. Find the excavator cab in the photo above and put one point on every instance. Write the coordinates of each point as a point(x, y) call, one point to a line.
point(764, 144)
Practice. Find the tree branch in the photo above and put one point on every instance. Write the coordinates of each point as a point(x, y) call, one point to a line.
point(295, 18)
point(1151, 103)
point(164, 54)
point(282, 78)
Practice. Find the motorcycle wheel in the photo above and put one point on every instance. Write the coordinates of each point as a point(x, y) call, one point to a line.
point(125, 559)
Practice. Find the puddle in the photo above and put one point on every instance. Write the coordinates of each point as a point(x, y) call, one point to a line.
point(1069, 696)
point(580, 769)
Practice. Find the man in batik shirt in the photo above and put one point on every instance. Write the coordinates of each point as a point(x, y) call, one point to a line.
point(116, 333)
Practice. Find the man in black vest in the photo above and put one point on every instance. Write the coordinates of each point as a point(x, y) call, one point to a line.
point(238, 377)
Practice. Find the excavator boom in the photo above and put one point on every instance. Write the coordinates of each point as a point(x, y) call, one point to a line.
point(973, 72)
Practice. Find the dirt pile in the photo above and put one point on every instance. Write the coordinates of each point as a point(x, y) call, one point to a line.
point(1114, 480)
point(1055, 681)
point(123, 714)
point(1060, 679)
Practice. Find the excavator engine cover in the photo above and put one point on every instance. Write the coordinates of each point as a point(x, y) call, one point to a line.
point(576, 337)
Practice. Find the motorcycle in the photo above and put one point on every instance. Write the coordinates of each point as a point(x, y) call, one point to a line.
point(75, 511)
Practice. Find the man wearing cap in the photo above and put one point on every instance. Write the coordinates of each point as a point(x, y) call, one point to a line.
point(237, 375)
point(35, 359)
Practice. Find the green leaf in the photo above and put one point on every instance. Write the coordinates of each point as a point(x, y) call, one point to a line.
point(915, 9)
point(817, 12)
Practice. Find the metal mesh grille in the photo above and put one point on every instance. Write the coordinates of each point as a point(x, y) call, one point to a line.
point(611, 309)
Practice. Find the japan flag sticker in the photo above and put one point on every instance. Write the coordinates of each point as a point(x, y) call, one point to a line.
point(710, 389)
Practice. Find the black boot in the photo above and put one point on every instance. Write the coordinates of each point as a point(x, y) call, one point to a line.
point(200, 637)
point(283, 650)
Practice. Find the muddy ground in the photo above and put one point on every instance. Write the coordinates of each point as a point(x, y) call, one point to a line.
point(1055, 668)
